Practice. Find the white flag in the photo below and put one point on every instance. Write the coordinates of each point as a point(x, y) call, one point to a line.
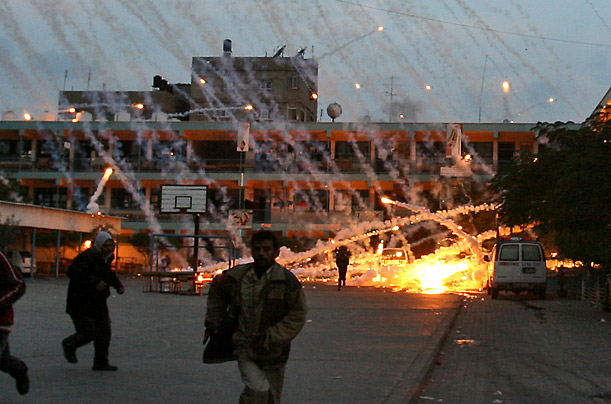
point(453, 138)
point(243, 136)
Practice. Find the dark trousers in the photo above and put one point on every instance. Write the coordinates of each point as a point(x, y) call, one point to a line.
point(342, 275)
point(89, 328)
point(8, 363)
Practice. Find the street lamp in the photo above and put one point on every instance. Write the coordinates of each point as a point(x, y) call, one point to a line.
point(506, 87)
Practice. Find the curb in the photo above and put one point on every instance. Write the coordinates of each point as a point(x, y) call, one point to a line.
point(409, 387)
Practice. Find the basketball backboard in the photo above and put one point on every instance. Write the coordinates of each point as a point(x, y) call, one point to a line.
point(184, 199)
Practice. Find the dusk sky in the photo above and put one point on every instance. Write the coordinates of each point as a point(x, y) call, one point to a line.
point(462, 49)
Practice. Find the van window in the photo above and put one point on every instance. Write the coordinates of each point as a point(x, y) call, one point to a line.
point(509, 252)
point(531, 253)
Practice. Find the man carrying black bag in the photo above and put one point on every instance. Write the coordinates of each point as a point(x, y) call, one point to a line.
point(253, 312)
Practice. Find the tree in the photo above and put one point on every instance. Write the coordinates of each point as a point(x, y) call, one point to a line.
point(142, 243)
point(565, 191)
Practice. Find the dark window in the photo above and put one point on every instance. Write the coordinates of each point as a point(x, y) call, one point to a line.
point(531, 253)
point(122, 199)
point(312, 200)
point(430, 149)
point(346, 150)
point(506, 151)
point(291, 114)
point(52, 197)
point(292, 82)
point(509, 252)
point(482, 150)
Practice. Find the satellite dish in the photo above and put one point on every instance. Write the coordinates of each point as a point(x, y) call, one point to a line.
point(279, 52)
point(334, 110)
point(301, 52)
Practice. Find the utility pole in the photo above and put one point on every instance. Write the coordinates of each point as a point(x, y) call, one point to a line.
point(391, 94)
point(481, 91)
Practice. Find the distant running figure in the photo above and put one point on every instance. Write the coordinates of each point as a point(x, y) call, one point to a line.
point(342, 260)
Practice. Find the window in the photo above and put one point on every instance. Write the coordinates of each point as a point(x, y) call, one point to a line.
point(343, 201)
point(293, 82)
point(129, 149)
point(360, 199)
point(312, 200)
point(531, 253)
point(346, 150)
point(291, 113)
point(266, 84)
point(9, 148)
point(264, 114)
point(53, 197)
point(506, 151)
point(384, 150)
point(483, 150)
point(509, 252)
point(430, 149)
point(122, 199)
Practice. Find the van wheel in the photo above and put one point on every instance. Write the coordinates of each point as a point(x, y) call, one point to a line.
point(494, 292)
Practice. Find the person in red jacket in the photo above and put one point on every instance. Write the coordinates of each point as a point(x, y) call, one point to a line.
point(90, 281)
point(12, 287)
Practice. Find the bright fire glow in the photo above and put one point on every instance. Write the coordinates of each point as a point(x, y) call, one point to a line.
point(107, 174)
point(506, 87)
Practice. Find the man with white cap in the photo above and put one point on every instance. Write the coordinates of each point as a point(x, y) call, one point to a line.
point(90, 280)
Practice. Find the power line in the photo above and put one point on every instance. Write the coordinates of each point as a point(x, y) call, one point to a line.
point(473, 26)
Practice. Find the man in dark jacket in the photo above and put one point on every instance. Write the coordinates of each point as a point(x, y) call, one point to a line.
point(268, 308)
point(90, 281)
point(12, 287)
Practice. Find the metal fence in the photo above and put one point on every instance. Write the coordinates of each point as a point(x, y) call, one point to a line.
point(589, 284)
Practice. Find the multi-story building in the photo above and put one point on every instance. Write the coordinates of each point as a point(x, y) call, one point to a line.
point(308, 179)
point(221, 89)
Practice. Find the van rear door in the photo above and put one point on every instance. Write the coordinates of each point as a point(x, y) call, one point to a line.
point(520, 263)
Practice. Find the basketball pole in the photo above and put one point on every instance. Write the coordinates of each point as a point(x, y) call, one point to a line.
point(196, 242)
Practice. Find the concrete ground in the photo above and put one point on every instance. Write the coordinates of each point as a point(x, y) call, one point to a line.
point(359, 346)
point(517, 350)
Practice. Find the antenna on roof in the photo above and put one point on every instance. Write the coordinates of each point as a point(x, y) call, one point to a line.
point(279, 52)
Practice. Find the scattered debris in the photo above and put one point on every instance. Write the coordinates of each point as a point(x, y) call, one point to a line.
point(463, 342)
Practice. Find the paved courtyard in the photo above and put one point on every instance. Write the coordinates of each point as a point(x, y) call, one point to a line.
point(360, 345)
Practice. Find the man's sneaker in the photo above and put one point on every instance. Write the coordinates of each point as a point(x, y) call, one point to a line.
point(69, 354)
point(106, 367)
point(23, 384)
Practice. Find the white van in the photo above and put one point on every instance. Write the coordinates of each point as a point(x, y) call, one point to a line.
point(23, 260)
point(517, 265)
